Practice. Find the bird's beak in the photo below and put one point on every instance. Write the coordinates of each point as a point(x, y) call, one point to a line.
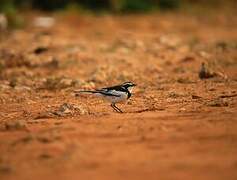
point(134, 85)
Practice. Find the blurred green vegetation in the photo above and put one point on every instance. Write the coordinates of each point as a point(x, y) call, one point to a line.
point(9, 9)
point(9, 6)
point(94, 5)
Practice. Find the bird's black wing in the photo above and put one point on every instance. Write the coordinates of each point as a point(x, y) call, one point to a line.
point(107, 92)
point(116, 88)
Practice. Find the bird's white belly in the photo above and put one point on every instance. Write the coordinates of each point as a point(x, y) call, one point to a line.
point(114, 99)
point(120, 97)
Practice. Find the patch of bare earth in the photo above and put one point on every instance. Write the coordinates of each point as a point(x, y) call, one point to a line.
point(175, 126)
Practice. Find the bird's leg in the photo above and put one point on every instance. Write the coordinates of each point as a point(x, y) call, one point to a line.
point(112, 105)
point(119, 110)
point(116, 108)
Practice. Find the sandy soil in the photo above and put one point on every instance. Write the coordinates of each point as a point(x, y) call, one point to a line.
point(175, 126)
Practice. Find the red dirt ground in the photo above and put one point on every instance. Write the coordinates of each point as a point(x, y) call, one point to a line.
point(175, 126)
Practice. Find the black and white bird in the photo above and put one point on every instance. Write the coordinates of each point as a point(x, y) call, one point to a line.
point(114, 94)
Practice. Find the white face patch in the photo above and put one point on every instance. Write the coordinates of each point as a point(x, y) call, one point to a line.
point(130, 89)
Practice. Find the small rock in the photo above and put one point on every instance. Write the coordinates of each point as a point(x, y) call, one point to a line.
point(185, 81)
point(204, 72)
point(124, 50)
point(23, 140)
point(67, 82)
point(160, 108)
point(54, 63)
point(15, 125)
point(45, 156)
point(45, 139)
point(44, 22)
point(3, 22)
point(13, 82)
point(5, 169)
point(4, 87)
point(64, 109)
point(182, 109)
point(81, 110)
point(22, 88)
point(44, 115)
point(187, 59)
point(88, 85)
point(196, 97)
point(119, 127)
point(175, 95)
point(218, 103)
point(170, 40)
point(40, 50)
point(204, 54)
point(222, 45)
point(212, 89)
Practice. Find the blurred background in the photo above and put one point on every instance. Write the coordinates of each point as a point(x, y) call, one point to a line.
point(182, 54)
point(12, 8)
point(108, 5)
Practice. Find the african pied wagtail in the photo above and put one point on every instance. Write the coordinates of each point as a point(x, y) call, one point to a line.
point(114, 94)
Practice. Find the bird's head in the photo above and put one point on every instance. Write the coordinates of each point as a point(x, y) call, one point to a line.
point(128, 85)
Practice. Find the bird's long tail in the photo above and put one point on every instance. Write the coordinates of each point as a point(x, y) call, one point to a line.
point(84, 91)
point(100, 92)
